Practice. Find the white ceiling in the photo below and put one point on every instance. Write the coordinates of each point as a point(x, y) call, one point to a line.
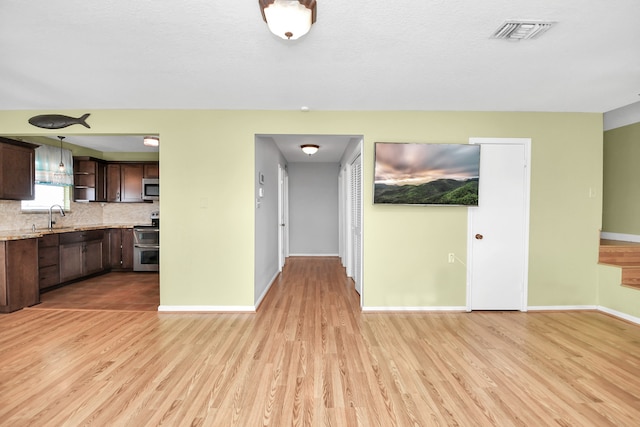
point(331, 147)
point(110, 143)
point(360, 55)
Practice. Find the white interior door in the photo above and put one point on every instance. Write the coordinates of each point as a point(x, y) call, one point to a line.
point(499, 227)
point(356, 222)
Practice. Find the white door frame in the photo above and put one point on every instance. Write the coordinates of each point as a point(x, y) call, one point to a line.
point(341, 214)
point(357, 232)
point(349, 245)
point(526, 142)
point(348, 235)
point(283, 215)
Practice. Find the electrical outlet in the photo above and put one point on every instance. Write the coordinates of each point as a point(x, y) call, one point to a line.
point(452, 257)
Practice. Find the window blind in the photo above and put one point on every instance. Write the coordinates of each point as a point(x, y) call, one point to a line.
point(48, 159)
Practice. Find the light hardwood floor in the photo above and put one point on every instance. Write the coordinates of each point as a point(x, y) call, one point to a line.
point(310, 357)
point(112, 291)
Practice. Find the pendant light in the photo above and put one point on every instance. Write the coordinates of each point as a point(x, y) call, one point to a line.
point(61, 165)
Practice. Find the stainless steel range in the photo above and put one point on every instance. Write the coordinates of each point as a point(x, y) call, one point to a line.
point(146, 245)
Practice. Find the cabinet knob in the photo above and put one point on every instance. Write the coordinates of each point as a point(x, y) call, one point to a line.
point(479, 236)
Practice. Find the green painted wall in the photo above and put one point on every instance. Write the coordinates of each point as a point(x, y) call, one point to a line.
point(621, 192)
point(620, 211)
point(207, 204)
point(613, 295)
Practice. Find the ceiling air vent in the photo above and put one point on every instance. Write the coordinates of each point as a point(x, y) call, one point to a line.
point(521, 30)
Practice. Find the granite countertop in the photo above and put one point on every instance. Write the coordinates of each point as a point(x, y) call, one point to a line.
point(39, 232)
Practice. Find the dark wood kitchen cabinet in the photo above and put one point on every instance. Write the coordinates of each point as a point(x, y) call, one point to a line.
point(18, 274)
point(80, 254)
point(89, 180)
point(124, 182)
point(17, 170)
point(121, 249)
point(113, 183)
point(48, 260)
point(151, 170)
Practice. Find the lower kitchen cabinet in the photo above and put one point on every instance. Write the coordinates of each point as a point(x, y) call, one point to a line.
point(121, 248)
point(18, 274)
point(93, 256)
point(48, 259)
point(71, 261)
point(127, 249)
point(80, 254)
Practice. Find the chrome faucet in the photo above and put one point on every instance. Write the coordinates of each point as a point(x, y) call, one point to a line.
point(51, 221)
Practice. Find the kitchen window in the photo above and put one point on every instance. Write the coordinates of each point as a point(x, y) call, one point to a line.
point(52, 186)
point(46, 196)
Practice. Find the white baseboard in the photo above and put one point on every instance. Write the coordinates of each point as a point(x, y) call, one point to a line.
point(619, 314)
point(561, 307)
point(443, 308)
point(620, 236)
point(209, 308)
point(612, 312)
point(332, 255)
point(250, 309)
point(261, 297)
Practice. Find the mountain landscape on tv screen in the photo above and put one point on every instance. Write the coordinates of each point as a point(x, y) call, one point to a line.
point(439, 192)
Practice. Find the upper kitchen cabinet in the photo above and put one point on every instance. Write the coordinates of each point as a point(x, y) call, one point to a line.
point(124, 182)
point(17, 170)
point(151, 170)
point(89, 179)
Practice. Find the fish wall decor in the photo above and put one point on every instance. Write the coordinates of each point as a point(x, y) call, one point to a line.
point(58, 121)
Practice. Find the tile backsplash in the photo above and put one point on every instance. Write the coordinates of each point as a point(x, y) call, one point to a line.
point(12, 218)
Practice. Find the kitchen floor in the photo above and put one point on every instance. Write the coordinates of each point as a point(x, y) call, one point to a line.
point(112, 291)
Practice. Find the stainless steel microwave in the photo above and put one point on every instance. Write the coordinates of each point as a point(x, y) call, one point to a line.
point(150, 189)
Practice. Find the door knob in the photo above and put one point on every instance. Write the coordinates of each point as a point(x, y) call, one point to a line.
point(479, 236)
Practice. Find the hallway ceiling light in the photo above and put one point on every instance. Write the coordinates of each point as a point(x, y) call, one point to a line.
point(310, 148)
point(288, 19)
point(151, 141)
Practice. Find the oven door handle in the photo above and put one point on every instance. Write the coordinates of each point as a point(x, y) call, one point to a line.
point(146, 246)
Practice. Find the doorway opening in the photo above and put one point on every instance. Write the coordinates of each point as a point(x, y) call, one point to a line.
point(304, 204)
point(74, 270)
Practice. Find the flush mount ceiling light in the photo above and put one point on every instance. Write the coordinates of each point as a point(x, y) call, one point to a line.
point(288, 19)
point(310, 148)
point(151, 141)
point(522, 30)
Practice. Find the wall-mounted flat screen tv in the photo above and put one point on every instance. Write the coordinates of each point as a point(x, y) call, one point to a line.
point(426, 174)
